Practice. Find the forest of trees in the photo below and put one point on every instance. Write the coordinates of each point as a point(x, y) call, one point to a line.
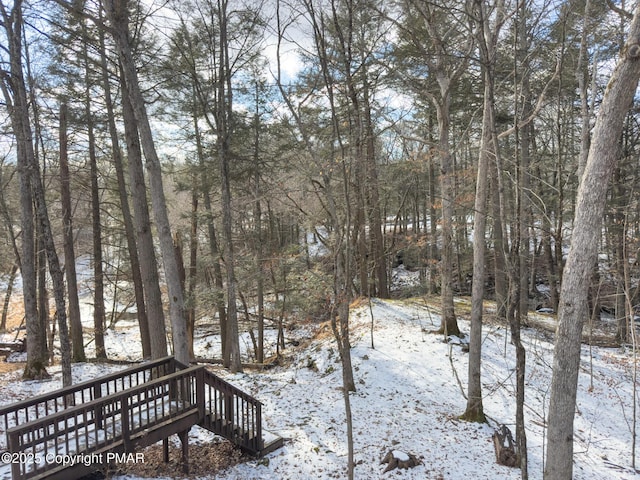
point(272, 160)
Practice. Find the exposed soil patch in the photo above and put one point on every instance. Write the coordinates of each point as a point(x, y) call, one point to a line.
point(15, 313)
point(15, 317)
point(6, 367)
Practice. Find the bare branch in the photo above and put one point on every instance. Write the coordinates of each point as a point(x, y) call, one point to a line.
point(618, 10)
point(538, 107)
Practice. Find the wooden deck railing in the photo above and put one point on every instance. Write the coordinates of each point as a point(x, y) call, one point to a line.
point(117, 413)
point(50, 403)
point(232, 413)
point(138, 416)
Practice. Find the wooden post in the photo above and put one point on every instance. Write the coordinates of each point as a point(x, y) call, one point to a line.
point(228, 411)
point(124, 418)
point(200, 400)
point(98, 416)
point(258, 427)
point(184, 439)
point(13, 446)
point(165, 450)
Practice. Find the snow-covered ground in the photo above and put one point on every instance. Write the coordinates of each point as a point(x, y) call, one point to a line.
point(409, 395)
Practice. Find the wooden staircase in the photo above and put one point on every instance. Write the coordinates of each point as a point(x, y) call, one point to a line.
point(74, 431)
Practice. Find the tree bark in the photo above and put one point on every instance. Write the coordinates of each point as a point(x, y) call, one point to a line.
point(96, 228)
point(231, 357)
point(602, 159)
point(474, 410)
point(146, 249)
point(14, 90)
point(118, 15)
point(75, 322)
point(487, 41)
point(258, 246)
point(449, 324)
point(132, 247)
point(193, 266)
point(214, 249)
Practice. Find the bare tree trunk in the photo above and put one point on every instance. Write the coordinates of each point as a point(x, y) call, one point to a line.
point(259, 241)
point(487, 40)
point(117, 13)
point(16, 101)
point(377, 247)
point(499, 262)
point(449, 324)
point(582, 76)
point(603, 156)
point(214, 250)
point(98, 272)
point(132, 247)
point(193, 266)
point(617, 229)
point(474, 410)
point(55, 270)
point(146, 249)
point(521, 249)
point(43, 296)
point(231, 357)
point(14, 90)
point(433, 227)
point(178, 246)
point(75, 322)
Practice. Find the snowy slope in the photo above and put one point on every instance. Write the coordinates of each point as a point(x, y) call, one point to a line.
point(408, 399)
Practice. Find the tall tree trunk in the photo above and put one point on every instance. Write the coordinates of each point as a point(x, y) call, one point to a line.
point(14, 90)
point(55, 270)
point(193, 266)
point(487, 41)
point(377, 248)
point(146, 249)
point(499, 262)
point(75, 322)
point(43, 298)
point(602, 159)
point(433, 225)
point(617, 230)
point(582, 76)
point(259, 241)
point(96, 228)
point(214, 249)
point(231, 357)
point(16, 101)
point(474, 410)
point(117, 13)
point(521, 250)
point(449, 324)
point(132, 247)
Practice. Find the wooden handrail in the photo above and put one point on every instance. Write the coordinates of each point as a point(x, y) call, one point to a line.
point(45, 404)
point(136, 406)
point(89, 383)
point(233, 413)
point(124, 414)
point(52, 418)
